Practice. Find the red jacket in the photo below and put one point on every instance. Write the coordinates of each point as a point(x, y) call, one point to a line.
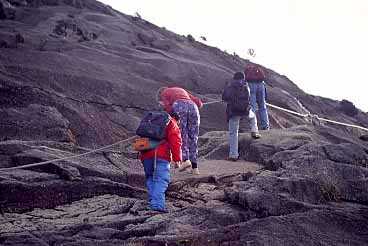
point(170, 149)
point(170, 95)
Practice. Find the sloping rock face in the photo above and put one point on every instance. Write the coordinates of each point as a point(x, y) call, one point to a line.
point(310, 190)
point(76, 75)
point(100, 69)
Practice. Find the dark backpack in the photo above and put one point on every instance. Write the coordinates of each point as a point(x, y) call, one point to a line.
point(151, 130)
point(239, 103)
point(254, 73)
point(153, 125)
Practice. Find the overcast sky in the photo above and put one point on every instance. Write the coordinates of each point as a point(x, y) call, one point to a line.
point(321, 45)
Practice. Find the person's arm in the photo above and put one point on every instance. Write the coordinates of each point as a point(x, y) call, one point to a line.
point(196, 100)
point(174, 140)
point(166, 101)
point(227, 94)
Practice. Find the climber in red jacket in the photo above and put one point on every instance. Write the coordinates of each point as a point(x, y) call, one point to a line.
point(158, 172)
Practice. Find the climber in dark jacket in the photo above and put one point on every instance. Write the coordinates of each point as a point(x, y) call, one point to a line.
point(236, 95)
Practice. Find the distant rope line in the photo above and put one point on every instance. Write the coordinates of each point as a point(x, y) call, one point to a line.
point(287, 110)
point(341, 123)
point(299, 114)
point(207, 103)
point(211, 100)
point(316, 117)
point(67, 158)
point(133, 137)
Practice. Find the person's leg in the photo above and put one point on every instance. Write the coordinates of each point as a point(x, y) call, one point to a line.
point(233, 136)
point(180, 108)
point(261, 101)
point(253, 96)
point(148, 171)
point(193, 132)
point(161, 182)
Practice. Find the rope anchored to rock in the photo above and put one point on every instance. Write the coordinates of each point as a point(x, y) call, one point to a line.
point(287, 110)
point(67, 158)
point(308, 116)
point(312, 117)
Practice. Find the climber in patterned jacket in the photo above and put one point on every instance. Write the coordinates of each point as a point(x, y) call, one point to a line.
point(178, 100)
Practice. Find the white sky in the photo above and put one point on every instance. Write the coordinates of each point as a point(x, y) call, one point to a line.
point(321, 45)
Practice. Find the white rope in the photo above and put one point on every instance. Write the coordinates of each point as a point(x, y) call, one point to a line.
point(317, 117)
point(67, 158)
point(299, 114)
point(210, 100)
point(286, 110)
point(131, 138)
point(341, 123)
point(307, 115)
point(207, 103)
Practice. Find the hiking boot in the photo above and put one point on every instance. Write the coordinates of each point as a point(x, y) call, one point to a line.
point(195, 171)
point(255, 135)
point(232, 159)
point(184, 165)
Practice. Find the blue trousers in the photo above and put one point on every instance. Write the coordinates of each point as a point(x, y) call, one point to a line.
point(234, 131)
point(157, 181)
point(258, 97)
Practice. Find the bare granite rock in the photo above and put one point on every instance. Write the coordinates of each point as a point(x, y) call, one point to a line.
point(77, 75)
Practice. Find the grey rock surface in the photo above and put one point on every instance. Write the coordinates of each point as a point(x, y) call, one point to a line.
point(78, 75)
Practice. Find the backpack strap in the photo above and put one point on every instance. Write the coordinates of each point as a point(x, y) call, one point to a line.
point(155, 164)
